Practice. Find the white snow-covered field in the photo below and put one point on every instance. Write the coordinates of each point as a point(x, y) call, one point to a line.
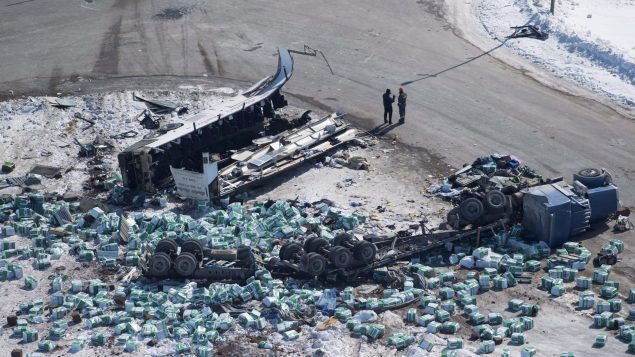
point(591, 43)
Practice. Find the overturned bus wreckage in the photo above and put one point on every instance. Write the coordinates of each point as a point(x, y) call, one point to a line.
point(145, 166)
point(273, 155)
point(267, 157)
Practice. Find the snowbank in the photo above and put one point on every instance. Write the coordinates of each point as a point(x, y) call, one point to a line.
point(587, 43)
point(590, 44)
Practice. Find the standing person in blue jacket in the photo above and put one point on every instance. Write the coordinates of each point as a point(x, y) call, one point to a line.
point(388, 100)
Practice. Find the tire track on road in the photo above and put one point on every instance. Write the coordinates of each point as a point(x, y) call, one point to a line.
point(108, 58)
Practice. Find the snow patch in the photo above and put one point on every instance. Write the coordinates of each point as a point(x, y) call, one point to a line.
point(588, 43)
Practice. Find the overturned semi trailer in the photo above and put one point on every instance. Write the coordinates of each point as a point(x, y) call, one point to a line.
point(145, 166)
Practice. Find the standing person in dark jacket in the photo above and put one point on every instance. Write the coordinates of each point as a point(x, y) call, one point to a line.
point(401, 103)
point(388, 100)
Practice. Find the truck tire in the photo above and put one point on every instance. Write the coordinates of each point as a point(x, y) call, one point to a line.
point(193, 246)
point(309, 243)
point(314, 264)
point(471, 209)
point(272, 263)
point(365, 251)
point(590, 177)
point(289, 250)
point(342, 239)
point(318, 245)
point(495, 201)
point(283, 251)
point(185, 264)
point(167, 246)
point(340, 256)
point(612, 259)
point(159, 265)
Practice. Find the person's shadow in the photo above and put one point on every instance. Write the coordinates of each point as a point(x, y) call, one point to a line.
point(384, 128)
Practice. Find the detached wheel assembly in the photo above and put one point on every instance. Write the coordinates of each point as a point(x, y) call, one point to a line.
point(160, 265)
point(185, 264)
point(612, 260)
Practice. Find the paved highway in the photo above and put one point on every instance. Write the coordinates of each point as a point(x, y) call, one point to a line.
point(461, 103)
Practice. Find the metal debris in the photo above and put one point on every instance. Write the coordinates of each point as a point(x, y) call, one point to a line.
point(529, 31)
point(46, 171)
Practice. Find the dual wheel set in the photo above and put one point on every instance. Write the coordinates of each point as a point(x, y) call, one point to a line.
point(165, 258)
point(473, 209)
point(315, 255)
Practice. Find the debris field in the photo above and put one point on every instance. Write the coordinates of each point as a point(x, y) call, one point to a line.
point(78, 257)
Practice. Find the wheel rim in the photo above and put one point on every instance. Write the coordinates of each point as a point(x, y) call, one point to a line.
point(589, 172)
point(366, 252)
point(471, 209)
point(185, 264)
point(340, 257)
point(160, 264)
point(496, 200)
point(316, 264)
